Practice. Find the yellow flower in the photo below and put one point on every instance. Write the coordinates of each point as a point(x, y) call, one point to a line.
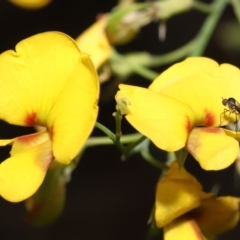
point(183, 108)
point(46, 82)
point(30, 4)
point(94, 42)
point(186, 212)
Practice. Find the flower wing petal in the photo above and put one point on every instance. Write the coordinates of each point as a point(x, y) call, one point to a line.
point(4, 142)
point(183, 229)
point(177, 193)
point(74, 114)
point(160, 118)
point(212, 148)
point(27, 141)
point(22, 174)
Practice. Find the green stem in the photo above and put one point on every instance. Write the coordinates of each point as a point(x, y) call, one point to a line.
point(118, 119)
point(209, 25)
point(203, 7)
point(125, 139)
point(236, 8)
point(134, 67)
point(149, 158)
point(116, 139)
point(131, 146)
point(174, 55)
point(108, 132)
point(143, 71)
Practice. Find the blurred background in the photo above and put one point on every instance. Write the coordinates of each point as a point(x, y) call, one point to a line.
point(108, 199)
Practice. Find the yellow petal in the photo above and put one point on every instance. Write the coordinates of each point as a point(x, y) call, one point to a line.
point(212, 148)
point(74, 114)
point(233, 134)
point(27, 141)
point(22, 174)
point(30, 4)
point(185, 229)
point(201, 84)
point(218, 215)
point(160, 118)
point(94, 42)
point(4, 142)
point(177, 193)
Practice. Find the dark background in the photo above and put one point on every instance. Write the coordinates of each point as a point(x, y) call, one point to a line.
point(107, 199)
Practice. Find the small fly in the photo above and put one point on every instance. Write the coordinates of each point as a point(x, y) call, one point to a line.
point(233, 106)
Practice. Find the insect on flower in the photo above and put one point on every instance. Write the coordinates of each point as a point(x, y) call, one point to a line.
point(233, 106)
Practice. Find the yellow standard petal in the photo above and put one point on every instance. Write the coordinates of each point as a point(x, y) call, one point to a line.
point(183, 228)
point(201, 83)
point(30, 4)
point(178, 192)
point(94, 42)
point(160, 118)
point(22, 174)
point(212, 148)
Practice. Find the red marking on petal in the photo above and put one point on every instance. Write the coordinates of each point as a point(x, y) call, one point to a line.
point(196, 229)
point(188, 125)
point(213, 130)
point(209, 118)
point(26, 138)
point(30, 119)
point(45, 157)
point(51, 132)
point(45, 163)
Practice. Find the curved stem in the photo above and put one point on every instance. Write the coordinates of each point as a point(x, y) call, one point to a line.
point(130, 147)
point(149, 158)
point(236, 8)
point(117, 140)
point(174, 55)
point(96, 141)
point(133, 67)
point(108, 132)
point(209, 25)
point(203, 7)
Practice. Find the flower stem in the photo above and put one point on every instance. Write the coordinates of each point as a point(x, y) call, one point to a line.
point(174, 55)
point(125, 139)
point(116, 139)
point(203, 7)
point(131, 146)
point(149, 158)
point(108, 132)
point(209, 25)
point(236, 8)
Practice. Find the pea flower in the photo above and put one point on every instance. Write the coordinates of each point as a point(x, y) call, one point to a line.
point(45, 82)
point(186, 212)
point(183, 108)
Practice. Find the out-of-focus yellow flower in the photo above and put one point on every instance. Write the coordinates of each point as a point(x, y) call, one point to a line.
point(186, 212)
point(30, 4)
point(183, 107)
point(46, 82)
point(94, 42)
